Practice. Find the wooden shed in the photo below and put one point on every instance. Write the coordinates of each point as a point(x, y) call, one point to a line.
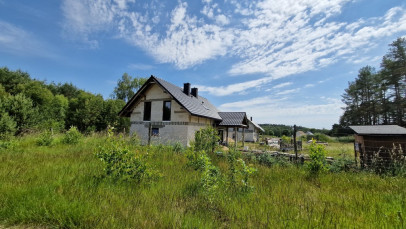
point(379, 144)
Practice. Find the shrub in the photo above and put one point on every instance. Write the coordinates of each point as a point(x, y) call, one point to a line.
point(72, 136)
point(238, 172)
point(206, 139)
point(322, 137)
point(210, 179)
point(121, 163)
point(198, 160)
point(8, 126)
point(45, 138)
point(178, 147)
point(269, 160)
point(8, 145)
point(318, 163)
point(342, 164)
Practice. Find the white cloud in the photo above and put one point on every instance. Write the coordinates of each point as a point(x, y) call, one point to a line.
point(83, 18)
point(222, 19)
point(275, 38)
point(234, 88)
point(282, 85)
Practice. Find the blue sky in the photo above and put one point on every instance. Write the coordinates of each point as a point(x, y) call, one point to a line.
point(281, 61)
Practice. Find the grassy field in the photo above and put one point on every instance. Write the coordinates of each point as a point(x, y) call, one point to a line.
point(64, 186)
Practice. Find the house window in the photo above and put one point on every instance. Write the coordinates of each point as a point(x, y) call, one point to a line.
point(166, 111)
point(147, 111)
point(155, 132)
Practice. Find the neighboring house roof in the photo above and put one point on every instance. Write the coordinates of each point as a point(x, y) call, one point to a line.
point(238, 119)
point(256, 125)
point(198, 106)
point(309, 133)
point(379, 130)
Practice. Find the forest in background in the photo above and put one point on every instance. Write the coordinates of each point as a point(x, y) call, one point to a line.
point(28, 105)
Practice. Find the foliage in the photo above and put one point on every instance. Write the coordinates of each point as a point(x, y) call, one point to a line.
point(177, 147)
point(279, 130)
point(269, 160)
point(206, 139)
point(317, 154)
point(376, 97)
point(127, 86)
point(286, 139)
point(398, 160)
point(7, 126)
point(238, 172)
point(72, 136)
point(322, 137)
point(21, 109)
point(198, 160)
point(36, 105)
point(121, 163)
point(342, 164)
point(210, 177)
point(45, 138)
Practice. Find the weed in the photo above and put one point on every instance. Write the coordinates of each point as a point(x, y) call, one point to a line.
point(45, 138)
point(72, 136)
point(123, 164)
point(206, 139)
point(318, 163)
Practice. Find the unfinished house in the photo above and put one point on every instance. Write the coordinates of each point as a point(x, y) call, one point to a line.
point(161, 112)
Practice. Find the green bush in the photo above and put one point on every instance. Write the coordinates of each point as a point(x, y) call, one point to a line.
point(198, 160)
point(8, 126)
point(268, 160)
point(206, 139)
point(322, 137)
point(72, 136)
point(178, 147)
point(45, 138)
point(238, 172)
point(121, 163)
point(210, 179)
point(342, 164)
point(318, 163)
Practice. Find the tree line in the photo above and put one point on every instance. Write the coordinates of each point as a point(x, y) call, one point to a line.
point(280, 130)
point(28, 105)
point(378, 96)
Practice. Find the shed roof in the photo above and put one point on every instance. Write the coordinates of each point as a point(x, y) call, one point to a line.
point(233, 119)
point(379, 130)
point(198, 106)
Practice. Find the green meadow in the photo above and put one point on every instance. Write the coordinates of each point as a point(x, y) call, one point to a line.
point(65, 186)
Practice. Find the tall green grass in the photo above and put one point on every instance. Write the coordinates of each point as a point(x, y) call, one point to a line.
point(64, 186)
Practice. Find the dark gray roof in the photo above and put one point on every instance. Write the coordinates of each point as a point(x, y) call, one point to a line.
point(199, 106)
point(379, 130)
point(233, 119)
